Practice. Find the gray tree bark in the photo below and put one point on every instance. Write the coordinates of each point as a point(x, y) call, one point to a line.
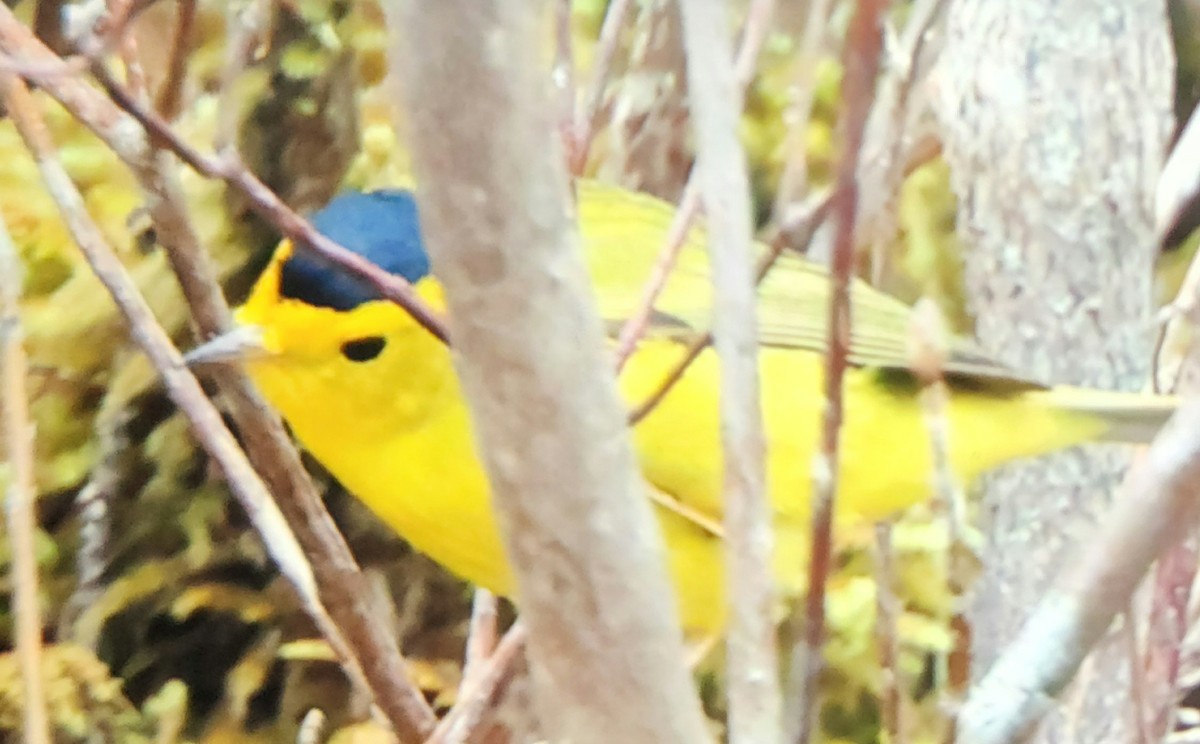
point(1055, 119)
point(605, 648)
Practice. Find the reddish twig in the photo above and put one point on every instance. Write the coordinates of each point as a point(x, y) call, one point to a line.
point(861, 62)
point(797, 231)
point(21, 522)
point(170, 91)
point(373, 656)
point(689, 209)
point(681, 224)
point(229, 168)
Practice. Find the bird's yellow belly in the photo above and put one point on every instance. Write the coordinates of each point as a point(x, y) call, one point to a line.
point(427, 483)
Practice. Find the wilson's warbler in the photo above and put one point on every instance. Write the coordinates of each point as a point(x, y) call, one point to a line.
point(374, 397)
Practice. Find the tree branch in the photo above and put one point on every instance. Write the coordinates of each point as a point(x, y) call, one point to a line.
point(20, 520)
point(861, 61)
point(755, 701)
point(606, 655)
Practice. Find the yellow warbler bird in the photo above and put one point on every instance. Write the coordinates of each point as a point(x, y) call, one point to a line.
point(374, 396)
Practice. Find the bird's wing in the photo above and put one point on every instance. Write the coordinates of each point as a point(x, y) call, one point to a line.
point(624, 232)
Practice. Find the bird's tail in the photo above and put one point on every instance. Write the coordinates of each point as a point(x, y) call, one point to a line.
point(1131, 418)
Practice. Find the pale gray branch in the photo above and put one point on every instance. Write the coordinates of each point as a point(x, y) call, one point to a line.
point(1160, 502)
point(606, 653)
point(755, 701)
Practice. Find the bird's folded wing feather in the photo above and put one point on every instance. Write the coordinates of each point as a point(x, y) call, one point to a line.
point(624, 233)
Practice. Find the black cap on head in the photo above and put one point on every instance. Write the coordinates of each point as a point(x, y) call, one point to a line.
point(380, 226)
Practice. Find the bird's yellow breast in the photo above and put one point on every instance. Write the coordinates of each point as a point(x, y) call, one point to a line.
point(416, 467)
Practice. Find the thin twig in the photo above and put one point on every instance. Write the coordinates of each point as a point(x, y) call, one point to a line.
point(406, 709)
point(588, 113)
point(793, 182)
point(677, 233)
point(797, 231)
point(481, 634)
point(562, 75)
point(268, 205)
point(887, 607)
point(928, 342)
point(21, 521)
point(92, 502)
point(482, 689)
point(372, 658)
point(753, 35)
point(861, 62)
point(1138, 699)
point(127, 46)
point(755, 700)
point(890, 146)
point(248, 25)
point(170, 91)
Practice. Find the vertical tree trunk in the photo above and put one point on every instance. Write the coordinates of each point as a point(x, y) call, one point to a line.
point(1055, 118)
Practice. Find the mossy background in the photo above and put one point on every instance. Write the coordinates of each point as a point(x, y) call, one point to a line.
point(164, 619)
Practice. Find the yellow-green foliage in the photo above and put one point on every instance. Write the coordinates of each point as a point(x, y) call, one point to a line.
point(84, 702)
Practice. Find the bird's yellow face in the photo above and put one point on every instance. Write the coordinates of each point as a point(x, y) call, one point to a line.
point(368, 367)
point(295, 333)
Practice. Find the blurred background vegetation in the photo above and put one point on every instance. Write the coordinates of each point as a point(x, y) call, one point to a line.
point(165, 620)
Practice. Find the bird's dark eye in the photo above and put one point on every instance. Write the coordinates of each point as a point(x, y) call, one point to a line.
point(363, 349)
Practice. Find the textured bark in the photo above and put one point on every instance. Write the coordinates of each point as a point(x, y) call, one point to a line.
point(1055, 119)
point(605, 649)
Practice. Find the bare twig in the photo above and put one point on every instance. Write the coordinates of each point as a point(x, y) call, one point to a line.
point(754, 33)
point(755, 701)
point(562, 75)
point(481, 634)
point(127, 46)
point(94, 517)
point(928, 349)
point(248, 25)
point(689, 209)
point(887, 607)
point(57, 78)
point(1179, 182)
point(1138, 700)
point(578, 529)
point(374, 655)
point(1157, 506)
point(861, 62)
point(588, 112)
point(891, 145)
point(798, 230)
point(21, 522)
point(681, 223)
point(267, 204)
point(1166, 631)
point(481, 690)
point(794, 179)
point(170, 91)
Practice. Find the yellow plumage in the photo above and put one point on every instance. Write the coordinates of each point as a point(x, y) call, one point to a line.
point(395, 429)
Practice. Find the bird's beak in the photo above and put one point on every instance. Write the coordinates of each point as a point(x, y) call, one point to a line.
point(244, 342)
